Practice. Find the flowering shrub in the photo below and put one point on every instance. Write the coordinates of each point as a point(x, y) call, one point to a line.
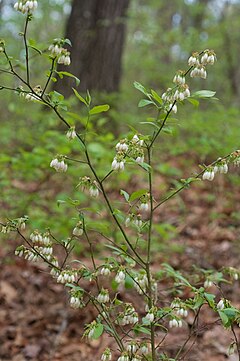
point(127, 263)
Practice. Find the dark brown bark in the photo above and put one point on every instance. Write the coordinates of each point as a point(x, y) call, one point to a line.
point(96, 30)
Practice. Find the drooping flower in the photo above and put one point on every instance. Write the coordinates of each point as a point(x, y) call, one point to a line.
point(59, 165)
point(220, 305)
point(26, 6)
point(107, 355)
point(103, 296)
point(208, 175)
point(71, 133)
point(64, 58)
point(120, 277)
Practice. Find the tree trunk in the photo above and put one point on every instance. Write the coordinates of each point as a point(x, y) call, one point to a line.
point(96, 30)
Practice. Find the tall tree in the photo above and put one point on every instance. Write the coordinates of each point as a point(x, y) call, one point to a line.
point(97, 31)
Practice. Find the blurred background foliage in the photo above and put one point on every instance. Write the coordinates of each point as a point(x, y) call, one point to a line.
point(160, 36)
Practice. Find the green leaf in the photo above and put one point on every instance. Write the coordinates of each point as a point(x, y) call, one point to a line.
point(193, 101)
point(140, 87)
point(175, 274)
point(68, 42)
point(99, 109)
point(125, 194)
point(151, 123)
point(204, 94)
point(229, 316)
point(224, 318)
point(117, 250)
point(80, 97)
point(210, 299)
point(145, 166)
point(60, 201)
point(145, 102)
point(98, 330)
point(198, 302)
point(137, 194)
point(167, 130)
point(66, 73)
point(36, 49)
point(128, 282)
point(88, 98)
point(137, 329)
point(156, 96)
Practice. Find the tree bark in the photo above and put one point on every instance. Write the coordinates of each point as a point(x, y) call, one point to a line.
point(97, 31)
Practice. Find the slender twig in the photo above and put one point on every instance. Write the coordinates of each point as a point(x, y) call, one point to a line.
point(106, 176)
point(75, 160)
point(120, 249)
point(192, 330)
point(26, 48)
point(184, 186)
point(236, 341)
point(155, 136)
point(92, 255)
point(137, 283)
point(149, 241)
point(6, 71)
point(49, 77)
point(15, 73)
point(36, 251)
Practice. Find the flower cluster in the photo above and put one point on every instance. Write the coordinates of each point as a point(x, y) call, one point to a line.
point(233, 272)
point(220, 167)
point(64, 57)
point(134, 352)
point(76, 299)
point(26, 6)
point(236, 158)
point(107, 355)
point(208, 283)
point(141, 282)
point(58, 164)
point(120, 276)
point(71, 133)
point(172, 95)
point(103, 296)
point(57, 51)
point(41, 248)
point(150, 315)
point(128, 148)
point(179, 308)
point(136, 219)
point(144, 206)
point(199, 62)
point(16, 224)
point(36, 95)
point(78, 229)
point(2, 45)
point(66, 277)
point(74, 302)
point(90, 329)
point(175, 323)
point(128, 316)
point(105, 271)
point(92, 186)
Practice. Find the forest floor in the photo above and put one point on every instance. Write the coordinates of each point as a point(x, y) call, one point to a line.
point(36, 322)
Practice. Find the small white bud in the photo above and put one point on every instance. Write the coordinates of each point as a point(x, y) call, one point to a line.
point(77, 231)
point(120, 277)
point(220, 305)
point(208, 283)
point(144, 207)
point(150, 316)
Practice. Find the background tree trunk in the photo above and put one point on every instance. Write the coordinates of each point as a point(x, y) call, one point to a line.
point(96, 30)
